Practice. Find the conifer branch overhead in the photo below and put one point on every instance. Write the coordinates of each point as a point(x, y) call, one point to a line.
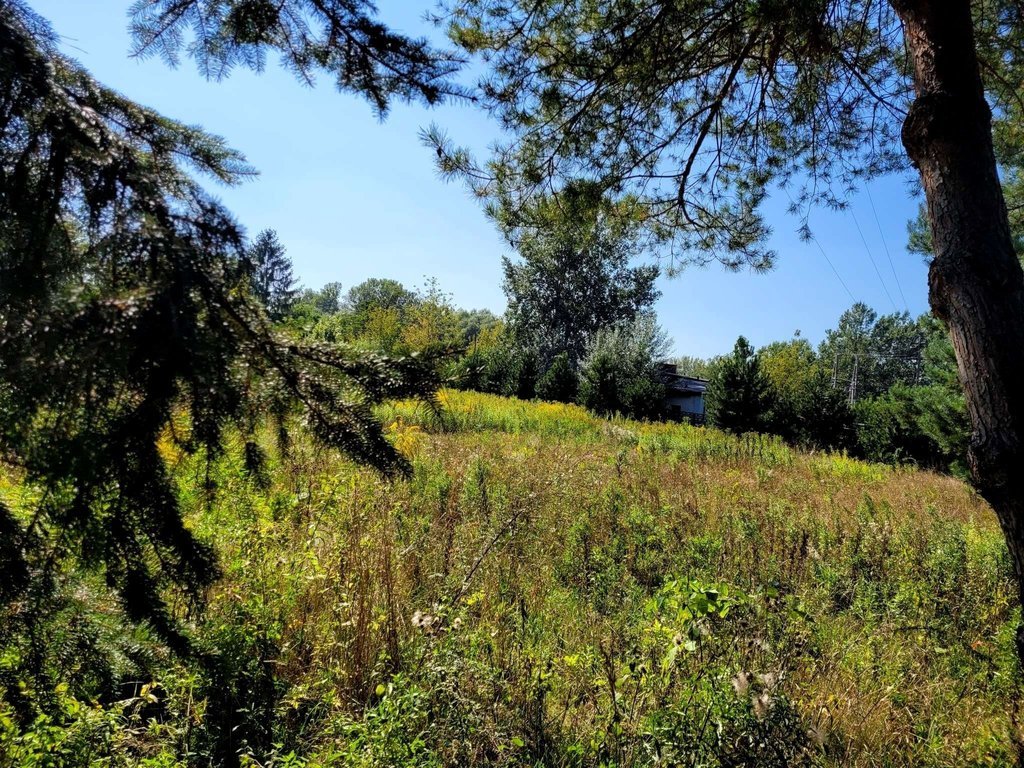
point(693, 107)
point(341, 38)
point(123, 305)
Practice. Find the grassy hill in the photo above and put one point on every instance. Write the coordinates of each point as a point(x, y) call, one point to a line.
point(555, 589)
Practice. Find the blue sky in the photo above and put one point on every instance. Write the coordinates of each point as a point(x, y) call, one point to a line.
point(352, 197)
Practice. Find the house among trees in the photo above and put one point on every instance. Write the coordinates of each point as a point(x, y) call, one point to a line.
point(684, 395)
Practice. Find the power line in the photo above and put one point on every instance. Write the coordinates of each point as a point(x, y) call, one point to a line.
point(833, 266)
point(872, 258)
point(834, 270)
point(885, 245)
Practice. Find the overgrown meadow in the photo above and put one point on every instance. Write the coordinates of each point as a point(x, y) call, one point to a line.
point(548, 589)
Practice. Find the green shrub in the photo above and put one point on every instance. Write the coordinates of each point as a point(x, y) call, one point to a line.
point(559, 383)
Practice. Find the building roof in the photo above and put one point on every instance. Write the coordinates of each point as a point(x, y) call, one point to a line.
point(677, 383)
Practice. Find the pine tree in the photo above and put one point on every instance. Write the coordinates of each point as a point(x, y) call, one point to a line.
point(825, 419)
point(941, 413)
point(739, 394)
point(559, 383)
point(697, 109)
point(869, 355)
point(340, 38)
point(270, 274)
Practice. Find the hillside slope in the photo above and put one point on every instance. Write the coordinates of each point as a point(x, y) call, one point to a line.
point(551, 588)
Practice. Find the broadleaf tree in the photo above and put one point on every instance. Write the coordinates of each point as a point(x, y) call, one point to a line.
point(379, 293)
point(574, 277)
point(621, 372)
point(700, 107)
point(806, 406)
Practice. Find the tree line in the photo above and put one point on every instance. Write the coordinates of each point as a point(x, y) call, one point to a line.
point(580, 328)
point(883, 388)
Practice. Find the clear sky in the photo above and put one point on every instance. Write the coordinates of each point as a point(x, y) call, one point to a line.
point(352, 198)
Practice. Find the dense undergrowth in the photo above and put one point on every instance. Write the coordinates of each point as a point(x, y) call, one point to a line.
point(548, 589)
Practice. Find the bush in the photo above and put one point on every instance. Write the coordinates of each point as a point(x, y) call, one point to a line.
point(559, 383)
point(739, 393)
point(888, 431)
point(620, 372)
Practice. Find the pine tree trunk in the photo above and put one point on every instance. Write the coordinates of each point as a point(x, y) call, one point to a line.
point(976, 284)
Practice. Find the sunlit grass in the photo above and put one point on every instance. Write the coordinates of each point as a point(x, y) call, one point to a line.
point(552, 588)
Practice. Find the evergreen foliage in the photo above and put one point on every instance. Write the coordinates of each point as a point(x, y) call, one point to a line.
point(939, 401)
point(690, 110)
point(925, 423)
point(739, 394)
point(909, 407)
point(559, 383)
point(341, 38)
point(513, 371)
point(270, 274)
point(121, 326)
point(887, 429)
point(823, 415)
point(750, 93)
point(869, 354)
point(620, 373)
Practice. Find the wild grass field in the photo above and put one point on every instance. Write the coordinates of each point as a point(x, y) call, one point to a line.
point(554, 589)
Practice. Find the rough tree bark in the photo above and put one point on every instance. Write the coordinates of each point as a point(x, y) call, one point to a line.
point(976, 284)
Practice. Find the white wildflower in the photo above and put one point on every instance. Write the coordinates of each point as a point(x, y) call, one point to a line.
point(768, 679)
point(762, 703)
point(741, 683)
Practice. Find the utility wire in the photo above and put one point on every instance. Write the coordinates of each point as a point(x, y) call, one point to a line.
point(885, 245)
point(872, 258)
point(833, 266)
point(834, 270)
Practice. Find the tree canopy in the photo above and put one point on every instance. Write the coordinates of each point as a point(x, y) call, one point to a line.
point(739, 395)
point(574, 278)
point(695, 108)
point(868, 354)
point(379, 293)
point(270, 274)
point(621, 371)
point(340, 38)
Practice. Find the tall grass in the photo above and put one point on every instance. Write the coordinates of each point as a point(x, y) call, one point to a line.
point(551, 588)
